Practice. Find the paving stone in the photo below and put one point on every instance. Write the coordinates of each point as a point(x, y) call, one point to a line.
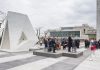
point(15, 63)
point(47, 54)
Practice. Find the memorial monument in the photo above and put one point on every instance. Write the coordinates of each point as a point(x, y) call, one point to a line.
point(18, 34)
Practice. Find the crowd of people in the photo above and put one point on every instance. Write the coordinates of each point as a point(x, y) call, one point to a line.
point(93, 44)
point(52, 44)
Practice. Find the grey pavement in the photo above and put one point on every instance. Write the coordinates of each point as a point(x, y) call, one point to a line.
point(67, 64)
point(11, 64)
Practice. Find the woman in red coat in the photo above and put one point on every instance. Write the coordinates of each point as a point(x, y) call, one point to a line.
point(92, 48)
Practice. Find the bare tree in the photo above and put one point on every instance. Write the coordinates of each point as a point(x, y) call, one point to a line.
point(2, 16)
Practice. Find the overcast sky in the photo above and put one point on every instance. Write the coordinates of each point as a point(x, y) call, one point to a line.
point(54, 13)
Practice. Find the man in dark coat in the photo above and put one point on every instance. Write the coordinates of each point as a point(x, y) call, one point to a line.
point(87, 43)
point(70, 41)
point(51, 45)
point(99, 44)
point(77, 43)
point(62, 43)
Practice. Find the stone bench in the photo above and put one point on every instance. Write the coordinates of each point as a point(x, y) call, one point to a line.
point(57, 54)
point(47, 54)
point(74, 55)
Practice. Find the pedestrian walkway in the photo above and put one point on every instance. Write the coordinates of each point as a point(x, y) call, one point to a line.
point(39, 65)
point(28, 61)
point(91, 63)
point(16, 57)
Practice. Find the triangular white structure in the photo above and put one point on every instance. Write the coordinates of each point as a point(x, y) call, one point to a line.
point(18, 34)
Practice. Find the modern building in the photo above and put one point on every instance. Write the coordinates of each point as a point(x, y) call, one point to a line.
point(92, 34)
point(98, 19)
point(64, 34)
point(80, 32)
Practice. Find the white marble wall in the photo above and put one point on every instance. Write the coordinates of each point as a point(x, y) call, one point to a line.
point(16, 25)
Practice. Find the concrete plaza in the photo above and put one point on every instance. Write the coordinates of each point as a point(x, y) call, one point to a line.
point(28, 61)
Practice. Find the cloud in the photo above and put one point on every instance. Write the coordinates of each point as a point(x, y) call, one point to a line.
point(54, 13)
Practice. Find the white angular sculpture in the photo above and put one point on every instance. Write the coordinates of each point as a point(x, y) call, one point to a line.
point(18, 33)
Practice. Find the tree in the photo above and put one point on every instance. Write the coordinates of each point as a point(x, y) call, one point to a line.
point(2, 16)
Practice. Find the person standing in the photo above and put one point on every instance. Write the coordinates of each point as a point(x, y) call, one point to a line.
point(53, 45)
point(99, 44)
point(93, 48)
point(62, 43)
point(46, 43)
point(74, 46)
point(57, 44)
point(70, 41)
point(86, 44)
point(77, 43)
point(65, 44)
point(49, 45)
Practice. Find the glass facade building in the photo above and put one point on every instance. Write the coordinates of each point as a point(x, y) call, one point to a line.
point(65, 33)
